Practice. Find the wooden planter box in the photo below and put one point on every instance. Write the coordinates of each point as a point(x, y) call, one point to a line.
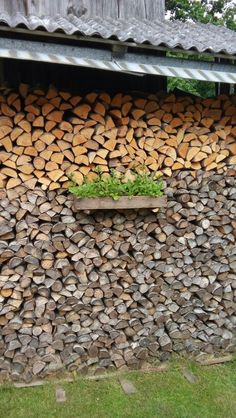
point(124, 202)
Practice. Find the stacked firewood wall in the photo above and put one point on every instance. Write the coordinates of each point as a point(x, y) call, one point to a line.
point(116, 288)
point(113, 289)
point(46, 136)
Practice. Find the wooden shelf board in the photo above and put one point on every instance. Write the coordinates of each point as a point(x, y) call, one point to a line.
point(124, 202)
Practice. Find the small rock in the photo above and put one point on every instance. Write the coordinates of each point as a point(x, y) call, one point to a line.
point(60, 395)
point(191, 378)
point(127, 386)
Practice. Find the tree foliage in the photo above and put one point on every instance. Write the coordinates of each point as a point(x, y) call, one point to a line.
point(217, 12)
point(196, 87)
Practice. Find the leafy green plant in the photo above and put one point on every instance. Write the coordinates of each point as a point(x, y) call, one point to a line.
point(116, 185)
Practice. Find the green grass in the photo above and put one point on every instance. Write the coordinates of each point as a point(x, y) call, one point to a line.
point(161, 395)
point(114, 185)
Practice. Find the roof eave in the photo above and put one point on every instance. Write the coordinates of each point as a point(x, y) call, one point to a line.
point(96, 39)
point(126, 61)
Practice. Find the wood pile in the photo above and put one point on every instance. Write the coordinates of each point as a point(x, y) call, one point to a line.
point(46, 136)
point(112, 289)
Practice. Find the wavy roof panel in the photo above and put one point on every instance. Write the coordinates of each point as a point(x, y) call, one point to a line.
point(171, 34)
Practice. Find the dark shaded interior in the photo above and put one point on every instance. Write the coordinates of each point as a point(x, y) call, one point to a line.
point(77, 79)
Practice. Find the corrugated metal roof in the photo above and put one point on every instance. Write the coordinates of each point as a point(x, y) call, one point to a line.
point(171, 34)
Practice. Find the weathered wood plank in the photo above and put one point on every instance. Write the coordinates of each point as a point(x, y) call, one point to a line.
point(144, 9)
point(155, 9)
point(124, 202)
point(102, 8)
point(132, 8)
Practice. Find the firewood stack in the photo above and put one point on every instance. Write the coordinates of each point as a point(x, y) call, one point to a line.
point(44, 137)
point(113, 289)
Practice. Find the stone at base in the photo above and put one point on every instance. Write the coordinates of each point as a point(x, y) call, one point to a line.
point(191, 378)
point(127, 386)
point(60, 395)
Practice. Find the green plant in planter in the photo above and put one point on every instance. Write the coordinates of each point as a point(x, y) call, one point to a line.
point(115, 185)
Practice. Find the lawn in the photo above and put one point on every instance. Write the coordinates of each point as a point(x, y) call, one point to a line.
point(166, 394)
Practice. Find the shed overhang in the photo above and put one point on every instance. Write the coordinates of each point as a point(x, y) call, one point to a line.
point(122, 60)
